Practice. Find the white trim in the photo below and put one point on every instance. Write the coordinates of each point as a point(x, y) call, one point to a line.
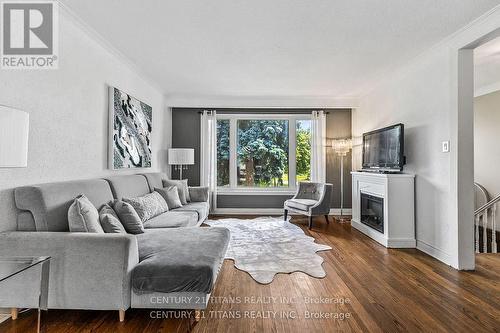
point(248, 211)
point(254, 191)
point(239, 101)
point(434, 252)
point(233, 162)
point(488, 89)
point(267, 211)
point(105, 44)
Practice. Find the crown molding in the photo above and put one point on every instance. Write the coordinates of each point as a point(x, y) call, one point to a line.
point(105, 44)
point(226, 101)
point(488, 89)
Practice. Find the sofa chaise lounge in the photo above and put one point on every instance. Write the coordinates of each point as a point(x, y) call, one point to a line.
point(173, 264)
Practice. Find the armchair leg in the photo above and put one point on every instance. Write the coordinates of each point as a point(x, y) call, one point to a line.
point(327, 220)
point(310, 222)
point(285, 214)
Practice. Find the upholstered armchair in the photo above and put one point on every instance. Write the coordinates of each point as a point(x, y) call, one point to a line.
point(311, 199)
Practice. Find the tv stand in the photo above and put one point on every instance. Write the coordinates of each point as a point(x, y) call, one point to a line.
point(383, 207)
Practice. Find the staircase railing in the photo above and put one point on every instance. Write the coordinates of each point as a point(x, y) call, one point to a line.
point(485, 222)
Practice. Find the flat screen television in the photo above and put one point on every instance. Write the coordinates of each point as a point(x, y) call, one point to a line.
point(383, 149)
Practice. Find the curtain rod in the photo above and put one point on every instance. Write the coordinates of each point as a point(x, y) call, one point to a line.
point(265, 112)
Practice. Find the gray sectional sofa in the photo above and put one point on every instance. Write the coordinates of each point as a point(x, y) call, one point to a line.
point(174, 264)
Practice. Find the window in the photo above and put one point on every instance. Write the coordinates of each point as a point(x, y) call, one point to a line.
point(263, 152)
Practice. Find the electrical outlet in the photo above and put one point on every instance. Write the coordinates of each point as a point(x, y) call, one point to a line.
point(446, 146)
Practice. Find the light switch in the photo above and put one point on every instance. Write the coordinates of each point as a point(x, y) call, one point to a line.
point(446, 146)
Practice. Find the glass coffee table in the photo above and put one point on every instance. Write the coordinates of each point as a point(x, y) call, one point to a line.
point(10, 267)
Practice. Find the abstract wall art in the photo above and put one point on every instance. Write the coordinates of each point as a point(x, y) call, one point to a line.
point(130, 122)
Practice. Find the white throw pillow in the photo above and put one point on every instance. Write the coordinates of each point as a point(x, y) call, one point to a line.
point(83, 216)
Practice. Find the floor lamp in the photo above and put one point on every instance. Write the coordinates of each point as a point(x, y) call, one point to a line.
point(181, 158)
point(341, 147)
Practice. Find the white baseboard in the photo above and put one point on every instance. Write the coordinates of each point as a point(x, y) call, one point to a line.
point(267, 211)
point(434, 252)
point(248, 211)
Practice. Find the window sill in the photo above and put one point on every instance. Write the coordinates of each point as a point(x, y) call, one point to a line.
point(226, 191)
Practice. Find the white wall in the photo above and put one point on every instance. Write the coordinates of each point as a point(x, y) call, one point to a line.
point(424, 96)
point(68, 111)
point(486, 139)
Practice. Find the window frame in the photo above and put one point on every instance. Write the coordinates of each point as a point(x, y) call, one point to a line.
point(233, 187)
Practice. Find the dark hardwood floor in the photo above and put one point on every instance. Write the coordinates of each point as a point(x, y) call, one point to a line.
point(370, 289)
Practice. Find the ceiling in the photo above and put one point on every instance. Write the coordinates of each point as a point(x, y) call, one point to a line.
point(294, 48)
point(487, 67)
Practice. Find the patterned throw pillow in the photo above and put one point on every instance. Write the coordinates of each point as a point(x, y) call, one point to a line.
point(171, 196)
point(148, 206)
point(182, 187)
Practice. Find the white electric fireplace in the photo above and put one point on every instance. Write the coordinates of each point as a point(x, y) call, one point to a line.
point(383, 207)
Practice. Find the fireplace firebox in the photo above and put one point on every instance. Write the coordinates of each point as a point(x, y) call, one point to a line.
point(372, 211)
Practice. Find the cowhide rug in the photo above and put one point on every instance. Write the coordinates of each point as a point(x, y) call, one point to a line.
point(266, 246)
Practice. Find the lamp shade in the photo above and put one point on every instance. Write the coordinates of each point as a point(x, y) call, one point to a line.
point(342, 146)
point(14, 129)
point(180, 156)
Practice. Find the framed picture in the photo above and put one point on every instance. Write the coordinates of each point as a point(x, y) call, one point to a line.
point(130, 128)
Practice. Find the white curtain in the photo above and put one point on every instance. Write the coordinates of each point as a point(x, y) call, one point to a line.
point(318, 146)
point(208, 165)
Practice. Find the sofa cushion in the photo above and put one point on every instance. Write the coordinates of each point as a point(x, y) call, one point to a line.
point(167, 264)
point(148, 206)
point(171, 196)
point(182, 187)
point(173, 219)
point(49, 203)
point(302, 204)
point(110, 222)
point(128, 186)
point(128, 217)
point(83, 216)
point(155, 179)
point(201, 208)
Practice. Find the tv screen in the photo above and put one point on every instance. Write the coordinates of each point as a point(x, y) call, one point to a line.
point(383, 149)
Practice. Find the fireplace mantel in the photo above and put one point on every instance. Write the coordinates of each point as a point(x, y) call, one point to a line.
point(397, 191)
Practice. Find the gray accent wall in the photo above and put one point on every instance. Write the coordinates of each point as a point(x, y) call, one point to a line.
point(186, 127)
point(186, 134)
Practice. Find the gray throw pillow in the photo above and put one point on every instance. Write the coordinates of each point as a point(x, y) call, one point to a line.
point(110, 222)
point(83, 216)
point(128, 217)
point(182, 187)
point(148, 206)
point(171, 196)
point(198, 194)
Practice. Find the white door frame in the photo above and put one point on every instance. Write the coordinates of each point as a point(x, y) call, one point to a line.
point(463, 126)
